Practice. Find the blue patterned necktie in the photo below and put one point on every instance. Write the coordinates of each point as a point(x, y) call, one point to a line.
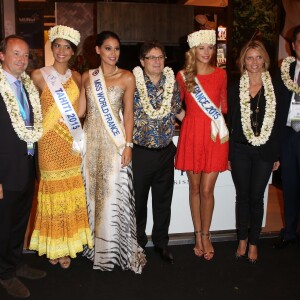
point(25, 109)
point(24, 112)
point(296, 124)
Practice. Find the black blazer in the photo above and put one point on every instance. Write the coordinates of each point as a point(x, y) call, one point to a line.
point(16, 170)
point(283, 95)
point(270, 150)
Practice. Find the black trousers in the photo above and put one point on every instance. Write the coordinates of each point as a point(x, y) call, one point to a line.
point(290, 172)
point(155, 170)
point(14, 214)
point(250, 174)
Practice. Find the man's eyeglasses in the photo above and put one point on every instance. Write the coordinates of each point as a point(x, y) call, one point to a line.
point(153, 58)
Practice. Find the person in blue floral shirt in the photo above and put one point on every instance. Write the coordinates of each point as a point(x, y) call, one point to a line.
point(156, 106)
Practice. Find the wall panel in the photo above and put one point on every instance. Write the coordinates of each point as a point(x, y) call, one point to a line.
point(136, 22)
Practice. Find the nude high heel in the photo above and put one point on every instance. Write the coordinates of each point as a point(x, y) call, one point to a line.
point(208, 255)
point(198, 251)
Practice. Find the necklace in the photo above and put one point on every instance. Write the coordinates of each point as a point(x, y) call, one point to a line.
point(64, 77)
point(112, 73)
point(256, 111)
point(270, 110)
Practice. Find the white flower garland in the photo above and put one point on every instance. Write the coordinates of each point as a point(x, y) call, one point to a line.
point(270, 110)
point(64, 32)
point(285, 75)
point(27, 135)
point(165, 108)
point(207, 36)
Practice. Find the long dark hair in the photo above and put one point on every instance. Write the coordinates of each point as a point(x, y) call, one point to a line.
point(73, 46)
point(104, 35)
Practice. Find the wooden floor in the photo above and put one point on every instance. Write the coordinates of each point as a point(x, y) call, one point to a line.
point(274, 220)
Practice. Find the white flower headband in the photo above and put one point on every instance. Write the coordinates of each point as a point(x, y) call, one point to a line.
point(64, 32)
point(202, 37)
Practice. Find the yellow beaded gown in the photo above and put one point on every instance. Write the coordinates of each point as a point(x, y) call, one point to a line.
point(61, 225)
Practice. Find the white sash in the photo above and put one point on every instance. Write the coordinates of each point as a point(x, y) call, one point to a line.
point(65, 107)
point(218, 125)
point(111, 124)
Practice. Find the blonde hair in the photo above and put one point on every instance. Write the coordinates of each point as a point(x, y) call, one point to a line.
point(259, 46)
point(190, 68)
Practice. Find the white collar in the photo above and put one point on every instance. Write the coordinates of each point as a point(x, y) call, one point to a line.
point(10, 78)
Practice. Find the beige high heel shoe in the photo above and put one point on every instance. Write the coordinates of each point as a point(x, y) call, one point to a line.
point(197, 251)
point(242, 245)
point(252, 261)
point(208, 255)
point(53, 262)
point(64, 262)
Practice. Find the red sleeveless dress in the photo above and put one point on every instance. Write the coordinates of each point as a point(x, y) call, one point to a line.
point(196, 151)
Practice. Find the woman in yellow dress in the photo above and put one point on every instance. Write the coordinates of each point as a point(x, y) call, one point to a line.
point(61, 226)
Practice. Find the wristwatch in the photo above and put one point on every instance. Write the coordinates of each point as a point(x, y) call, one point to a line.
point(129, 144)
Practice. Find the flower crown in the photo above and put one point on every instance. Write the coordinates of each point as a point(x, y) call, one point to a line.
point(64, 32)
point(202, 37)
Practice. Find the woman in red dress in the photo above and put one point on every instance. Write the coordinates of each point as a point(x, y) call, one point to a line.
point(203, 144)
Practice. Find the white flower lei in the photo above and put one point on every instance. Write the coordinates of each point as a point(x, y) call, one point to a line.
point(165, 108)
point(270, 110)
point(27, 135)
point(285, 75)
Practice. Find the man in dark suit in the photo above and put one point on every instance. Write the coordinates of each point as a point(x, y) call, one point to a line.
point(19, 130)
point(288, 90)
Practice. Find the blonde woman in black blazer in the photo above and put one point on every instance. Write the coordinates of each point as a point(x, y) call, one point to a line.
point(254, 151)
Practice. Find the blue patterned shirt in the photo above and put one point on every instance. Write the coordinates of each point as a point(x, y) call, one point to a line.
point(155, 133)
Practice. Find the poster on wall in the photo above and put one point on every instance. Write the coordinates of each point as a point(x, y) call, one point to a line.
point(222, 33)
point(221, 55)
point(30, 26)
